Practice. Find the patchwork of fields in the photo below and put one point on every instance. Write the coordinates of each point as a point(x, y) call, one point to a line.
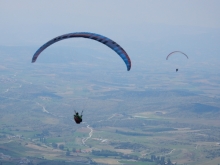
point(135, 119)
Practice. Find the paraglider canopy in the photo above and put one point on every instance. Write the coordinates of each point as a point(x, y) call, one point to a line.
point(174, 52)
point(106, 41)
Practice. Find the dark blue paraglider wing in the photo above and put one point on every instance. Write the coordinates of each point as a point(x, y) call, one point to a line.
point(108, 42)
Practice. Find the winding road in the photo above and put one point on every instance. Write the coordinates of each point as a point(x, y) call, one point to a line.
point(90, 135)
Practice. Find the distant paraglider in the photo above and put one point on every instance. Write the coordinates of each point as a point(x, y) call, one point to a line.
point(172, 53)
point(106, 41)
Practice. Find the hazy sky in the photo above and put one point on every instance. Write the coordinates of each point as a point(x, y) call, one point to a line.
point(26, 22)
